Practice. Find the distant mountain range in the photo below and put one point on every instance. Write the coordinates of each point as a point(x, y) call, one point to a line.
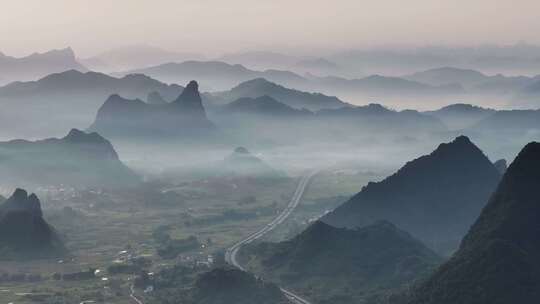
point(135, 56)
point(265, 106)
point(215, 75)
point(70, 99)
point(445, 191)
point(23, 231)
point(460, 116)
point(297, 99)
point(499, 258)
point(262, 60)
point(267, 121)
point(336, 265)
point(184, 118)
point(37, 65)
point(79, 159)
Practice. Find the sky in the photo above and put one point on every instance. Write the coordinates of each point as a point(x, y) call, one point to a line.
point(223, 26)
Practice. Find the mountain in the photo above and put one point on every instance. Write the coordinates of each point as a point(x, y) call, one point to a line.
point(79, 159)
point(217, 286)
point(449, 75)
point(499, 258)
point(262, 106)
point(242, 162)
point(23, 231)
point(216, 75)
point(444, 191)
point(185, 117)
point(460, 116)
point(375, 118)
point(297, 99)
point(260, 60)
point(509, 123)
point(135, 56)
point(380, 86)
point(337, 265)
point(38, 65)
point(69, 98)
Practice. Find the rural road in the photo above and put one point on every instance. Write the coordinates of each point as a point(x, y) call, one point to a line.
point(230, 254)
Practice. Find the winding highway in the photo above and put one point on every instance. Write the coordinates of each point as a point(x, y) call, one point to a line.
point(231, 253)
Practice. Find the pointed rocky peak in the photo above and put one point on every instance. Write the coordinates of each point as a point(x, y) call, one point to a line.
point(20, 201)
point(460, 152)
point(190, 99)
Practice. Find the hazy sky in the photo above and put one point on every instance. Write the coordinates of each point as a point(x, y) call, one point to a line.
point(216, 26)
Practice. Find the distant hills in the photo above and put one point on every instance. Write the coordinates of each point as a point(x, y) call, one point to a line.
point(266, 120)
point(216, 75)
point(444, 191)
point(498, 260)
point(219, 76)
point(297, 99)
point(135, 56)
point(23, 231)
point(79, 159)
point(184, 118)
point(460, 116)
point(241, 162)
point(70, 99)
point(37, 65)
point(337, 265)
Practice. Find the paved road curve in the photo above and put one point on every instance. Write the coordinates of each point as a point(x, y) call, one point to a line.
point(230, 254)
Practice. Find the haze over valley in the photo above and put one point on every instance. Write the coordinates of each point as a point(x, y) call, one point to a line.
point(267, 152)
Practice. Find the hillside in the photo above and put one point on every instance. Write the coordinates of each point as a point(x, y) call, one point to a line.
point(23, 231)
point(79, 159)
point(217, 286)
point(498, 260)
point(337, 265)
point(444, 191)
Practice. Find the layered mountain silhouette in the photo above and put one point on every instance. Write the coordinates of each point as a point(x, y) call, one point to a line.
point(78, 159)
point(70, 98)
point(449, 75)
point(509, 122)
point(23, 231)
point(444, 191)
point(216, 75)
point(135, 56)
point(499, 258)
point(338, 265)
point(38, 65)
point(460, 116)
point(262, 106)
point(185, 117)
point(297, 99)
